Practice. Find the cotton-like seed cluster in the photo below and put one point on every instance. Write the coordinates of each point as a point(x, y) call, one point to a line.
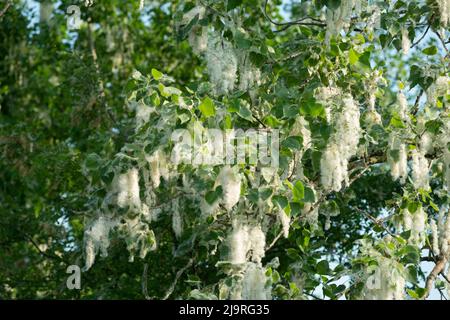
point(416, 222)
point(406, 42)
point(420, 170)
point(426, 142)
point(440, 87)
point(177, 221)
point(440, 233)
point(158, 162)
point(397, 158)
point(301, 128)
point(285, 221)
point(444, 12)
point(402, 106)
point(374, 19)
point(254, 283)
point(339, 19)
point(127, 187)
point(385, 281)
point(138, 236)
point(249, 75)
point(143, 113)
point(329, 211)
point(342, 145)
point(446, 161)
point(96, 238)
point(326, 96)
point(198, 35)
point(245, 239)
point(222, 64)
point(231, 185)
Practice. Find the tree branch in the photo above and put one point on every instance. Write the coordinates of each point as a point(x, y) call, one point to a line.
point(177, 276)
point(438, 268)
point(8, 4)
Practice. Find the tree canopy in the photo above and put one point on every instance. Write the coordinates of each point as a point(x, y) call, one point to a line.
point(350, 201)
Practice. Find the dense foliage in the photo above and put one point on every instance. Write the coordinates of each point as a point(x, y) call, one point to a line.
point(358, 92)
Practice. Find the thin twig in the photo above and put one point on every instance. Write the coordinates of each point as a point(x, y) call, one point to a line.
point(421, 38)
point(8, 4)
point(144, 282)
point(177, 276)
point(286, 25)
point(97, 70)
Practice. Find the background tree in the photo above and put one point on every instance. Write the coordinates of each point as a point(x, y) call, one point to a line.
point(358, 89)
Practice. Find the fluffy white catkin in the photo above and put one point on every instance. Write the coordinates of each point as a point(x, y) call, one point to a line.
point(420, 170)
point(231, 185)
point(342, 145)
point(254, 283)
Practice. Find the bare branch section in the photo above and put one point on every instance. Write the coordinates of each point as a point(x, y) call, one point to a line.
point(438, 268)
point(299, 22)
point(177, 277)
point(8, 4)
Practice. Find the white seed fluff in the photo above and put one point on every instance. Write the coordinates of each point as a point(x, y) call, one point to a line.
point(399, 166)
point(420, 170)
point(177, 222)
point(342, 146)
point(96, 238)
point(127, 187)
point(444, 12)
point(222, 64)
point(231, 185)
point(254, 283)
point(406, 42)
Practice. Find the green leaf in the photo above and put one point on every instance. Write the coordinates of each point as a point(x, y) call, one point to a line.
point(323, 267)
point(207, 107)
point(298, 191)
point(280, 200)
point(309, 195)
point(233, 4)
point(430, 51)
point(293, 142)
point(156, 74)
point(353, 56)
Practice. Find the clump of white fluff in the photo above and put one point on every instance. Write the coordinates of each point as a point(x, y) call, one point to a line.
point(143, 113)
point(426, 142)
point(440, 87)
point(249, 75)
point(326, 96)
point(420, 170)
point(177, 221)
point(222, 64)
point(138, 237)
point(402, 107)
point(301, 128)
point(440, 233)
point(444, 12)
point(96, 238)
point(285, 221)
point(127, 187)
point(238, 244)
point(198, 35)
point(416, 222)
point(231, 185)
point(158, 162)
point(406, 42)
point(343, 144)
point(385, 281)
point(397, 158)
point(254, 283)
point(246, 241)
point(434, 237)
point(339, 18)
point(446, 161)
